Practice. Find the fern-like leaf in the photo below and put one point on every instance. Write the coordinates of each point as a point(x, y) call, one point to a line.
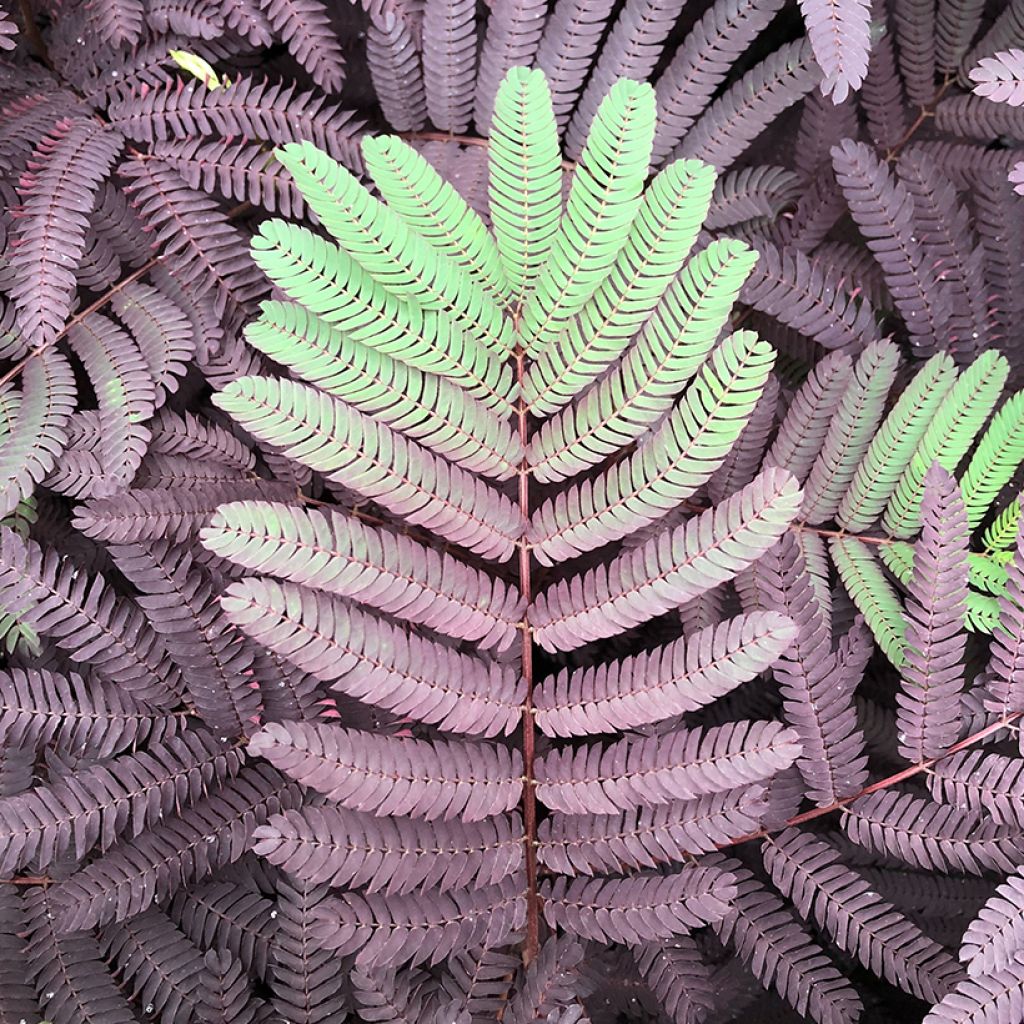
point(427, 779)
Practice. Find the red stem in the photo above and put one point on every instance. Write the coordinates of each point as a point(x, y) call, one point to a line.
point(532, 943)
point(890, 780)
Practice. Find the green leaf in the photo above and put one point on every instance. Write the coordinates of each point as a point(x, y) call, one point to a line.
point(892, 447)
point(393, 255)
point(999, 453)
point(328, 282)
point(604, 198)
point(434, 210)
point(948, 437)
point(369, 458)
point(429, 409)
point(673, 462)
point(1001, 534)
point(674, 343)
point(872, 593)
point(525, 182)
point(851, 430)
point(662, 234)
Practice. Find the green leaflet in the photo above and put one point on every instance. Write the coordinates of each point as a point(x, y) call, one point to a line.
point(331, 284)
point(1001, 534)
point(982, 611)
point(369, 458)
point(669, 467)
point(435, 211)
point(525, 182)
point(15, 634)
point(872, 593)
point(604, 198)
point(393, 255)
point(850, 431)
point(671, 347)
point(428, 408)
point(670, 569)
point(664, 230)
point(999, 453)
point(893, 446)
point(949, 435)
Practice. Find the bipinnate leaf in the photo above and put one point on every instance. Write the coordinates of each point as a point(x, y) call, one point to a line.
point(931, 836)
point(809, 872)
point(641, 908)
point(178, 851)
point(670, 569)
point(339, 554)
point(375, 661)
point(87, 619)
point(647, 837)
point(356, 452)
point(388, 775)
point(777, 950)
point(1005, 682)
point(338, 847)
point(928, 715)
point(663, 683)
point(128, 794)
point(646, 772)
point(385, 931)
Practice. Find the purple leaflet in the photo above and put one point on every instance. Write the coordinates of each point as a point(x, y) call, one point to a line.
point(387, 775)
point(376, 662)
point(668, 570)
point(682, 765)
point(383, 931)
point(339, 554)
point(178, 851)
point(652, 687)
point(928, 719)
point(817, 693)
point(931, 836)
point(393, 855)
point(883, 209)
point(649, 836)
point(641, 908)
point(809, 872)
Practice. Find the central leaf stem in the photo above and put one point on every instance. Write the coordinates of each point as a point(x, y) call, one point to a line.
point(532, 942)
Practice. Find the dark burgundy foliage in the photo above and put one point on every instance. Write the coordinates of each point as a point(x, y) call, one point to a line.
point(334, 783)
